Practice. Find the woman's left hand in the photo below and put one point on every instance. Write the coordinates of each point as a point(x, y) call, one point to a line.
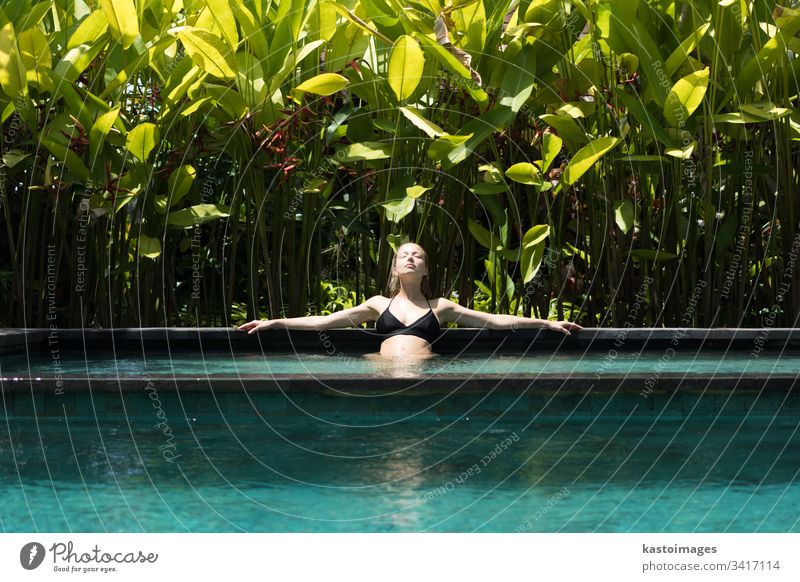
point(564, 327)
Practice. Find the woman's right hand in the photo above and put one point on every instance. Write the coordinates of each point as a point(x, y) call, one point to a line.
point(252, 327)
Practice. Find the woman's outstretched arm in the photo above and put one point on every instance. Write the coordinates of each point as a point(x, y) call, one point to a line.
point(469, 317)
point(367, 311)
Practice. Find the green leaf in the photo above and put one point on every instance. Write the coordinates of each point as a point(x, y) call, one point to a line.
point(142, 139)
point(430, 128)
point(440, 148)
point(568, 129)
point(681, 54)
point(406, 63)
point(533, 251)
point(99, 133)
point(66, 156)
point(12, 157)
point(624, 215)
point(396, 210)
point(149, 247)
point(416, 191)
point(223, 16)
point(34, 51)
point(551, 147)
point(13, 78)
point(90, 30)
point(480, 129)
point(525, 173)
point(685, 97)
point(76, 60)
point(179, 183)
point(358, 152)
point(122, 20)
point(483, 236)
point(198, 214)
point(323, 84)
point(208, 51)
point(586, 157)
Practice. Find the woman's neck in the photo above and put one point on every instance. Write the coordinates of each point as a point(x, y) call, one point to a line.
point(410, 290)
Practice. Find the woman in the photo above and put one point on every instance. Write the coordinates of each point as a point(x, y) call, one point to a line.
point(413, 322)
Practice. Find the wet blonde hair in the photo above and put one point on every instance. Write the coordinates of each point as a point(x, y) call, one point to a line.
point(393, 286)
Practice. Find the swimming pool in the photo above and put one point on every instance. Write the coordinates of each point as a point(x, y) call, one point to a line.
point(575, 440)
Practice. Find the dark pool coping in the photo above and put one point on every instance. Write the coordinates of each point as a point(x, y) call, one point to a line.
point(361, 341)
point(454, 340)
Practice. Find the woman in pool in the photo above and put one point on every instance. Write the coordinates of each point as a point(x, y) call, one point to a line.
point(408, 297)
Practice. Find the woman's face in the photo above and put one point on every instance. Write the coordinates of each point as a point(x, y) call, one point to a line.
point(410, 258)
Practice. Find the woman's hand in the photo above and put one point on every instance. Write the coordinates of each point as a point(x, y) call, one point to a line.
point(564, 327)
point(252, 327)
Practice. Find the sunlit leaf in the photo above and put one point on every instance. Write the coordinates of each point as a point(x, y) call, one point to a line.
point(323, 84)
point(586, 157)
point(406, 63)
point(142, 139)
point(122, 20)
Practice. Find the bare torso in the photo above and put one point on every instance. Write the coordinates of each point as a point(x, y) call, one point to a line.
point(402, 345)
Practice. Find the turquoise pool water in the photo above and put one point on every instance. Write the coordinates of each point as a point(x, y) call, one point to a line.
point(218, 364)
point(291, 473)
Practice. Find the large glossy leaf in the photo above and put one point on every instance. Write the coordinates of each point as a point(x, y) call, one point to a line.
point(122, 20)
point(483, 236)
point(179, 183)
point(66, 156)
point(415, 117)
point(99, 133)
point(551, 147)
point(586, 157)
point(149, 247)
point(624, 215)
point(480, 128)
point(13, 78)
point(209, 52)
point(406, 63)
point(396, 210)
point(533, 251)
point(142, 139)
point(525, 173)
point(323, 84)
point(224, 19)
point(685, 97)
point(568, 129)
point(363, 151)
point(197, 214)
point(36, 57)
point(90, 29)
point(76, 60)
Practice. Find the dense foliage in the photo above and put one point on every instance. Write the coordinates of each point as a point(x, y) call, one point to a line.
point(179, 162)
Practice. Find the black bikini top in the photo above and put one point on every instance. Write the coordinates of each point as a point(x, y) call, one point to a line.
point(426, 327)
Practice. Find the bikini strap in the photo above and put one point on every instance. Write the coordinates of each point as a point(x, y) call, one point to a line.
point(429, 304)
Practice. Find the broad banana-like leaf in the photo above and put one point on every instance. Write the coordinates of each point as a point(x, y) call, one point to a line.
point(685, 97)
point(209, 52)
point(533, 251)
point(142, 139)
point(197, 214)
point(89, 30)
point(406, 63)
point(415, 117)
point(223, 16)
point(149, 247)
point(624, 215)
point(122, 20)
point(586, 157)
point(13, 77)
point(323, 84)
